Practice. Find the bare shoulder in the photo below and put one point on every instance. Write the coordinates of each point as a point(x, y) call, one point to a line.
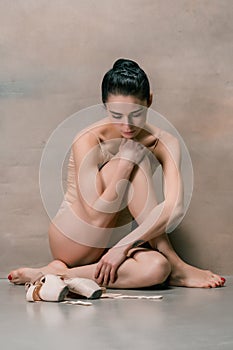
point(92, 132)
point(87, 143)
point(85, 138)
point(163, 136)
point(168, 147)
point(168, 139)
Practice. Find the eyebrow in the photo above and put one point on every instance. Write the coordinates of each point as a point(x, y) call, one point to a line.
point(138, 110)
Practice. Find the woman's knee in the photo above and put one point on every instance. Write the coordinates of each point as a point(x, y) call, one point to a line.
point(156, 269)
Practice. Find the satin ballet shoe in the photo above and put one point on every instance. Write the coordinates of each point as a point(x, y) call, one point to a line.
point(47, 288)
point(84, 287)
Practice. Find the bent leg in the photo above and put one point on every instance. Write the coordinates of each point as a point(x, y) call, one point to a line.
point(182, 274)
point(143, 268)
point(74, 254)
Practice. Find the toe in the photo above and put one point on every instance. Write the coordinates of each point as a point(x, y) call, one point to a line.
point(219, 281)
point(10, 277)
point(17, 276)
point(223, 281)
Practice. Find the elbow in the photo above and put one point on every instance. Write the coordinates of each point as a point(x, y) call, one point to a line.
point(179, 212)
point(175, 217)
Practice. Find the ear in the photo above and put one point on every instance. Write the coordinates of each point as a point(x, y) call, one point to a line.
point(150, 100)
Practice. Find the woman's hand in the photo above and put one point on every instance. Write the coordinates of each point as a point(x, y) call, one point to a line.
point(131, 150)
point(106, 270)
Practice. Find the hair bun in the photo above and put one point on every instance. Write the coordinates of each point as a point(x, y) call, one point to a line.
point(124, 64)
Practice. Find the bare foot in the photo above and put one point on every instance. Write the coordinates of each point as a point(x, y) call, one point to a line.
point(186, 275)
point(26, 274)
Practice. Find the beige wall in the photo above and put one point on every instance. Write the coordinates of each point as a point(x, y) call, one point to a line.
point(53, 56)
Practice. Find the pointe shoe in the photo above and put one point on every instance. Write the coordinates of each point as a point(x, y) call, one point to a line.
point(84, 287)
point(47, 288)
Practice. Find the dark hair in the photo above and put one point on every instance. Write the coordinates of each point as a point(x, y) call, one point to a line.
point(126, 78)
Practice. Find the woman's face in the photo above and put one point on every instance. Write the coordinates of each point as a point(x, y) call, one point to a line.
point(127, 114)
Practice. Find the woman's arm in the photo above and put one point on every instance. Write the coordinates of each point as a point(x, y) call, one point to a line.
point(167, 213)
point(160, 218)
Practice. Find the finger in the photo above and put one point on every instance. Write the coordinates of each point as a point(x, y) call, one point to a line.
point(100, 279)
point(98, 269)
point(107, 275)
point(113, 275)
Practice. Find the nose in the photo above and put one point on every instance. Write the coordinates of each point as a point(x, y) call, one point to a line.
point(127, 121)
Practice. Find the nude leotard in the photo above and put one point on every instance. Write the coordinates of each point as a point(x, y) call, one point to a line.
point(72, 226)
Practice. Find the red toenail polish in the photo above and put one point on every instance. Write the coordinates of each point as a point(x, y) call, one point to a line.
point(9, 277)
point(223, 280)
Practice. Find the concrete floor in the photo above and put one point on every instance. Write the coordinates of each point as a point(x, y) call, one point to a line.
point(183, 319)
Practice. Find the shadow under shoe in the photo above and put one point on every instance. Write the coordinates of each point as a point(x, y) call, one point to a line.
point(83, 287)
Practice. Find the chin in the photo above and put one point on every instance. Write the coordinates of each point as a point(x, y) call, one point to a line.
point(128, 135)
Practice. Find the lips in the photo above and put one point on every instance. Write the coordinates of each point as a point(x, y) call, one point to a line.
point(130, 132)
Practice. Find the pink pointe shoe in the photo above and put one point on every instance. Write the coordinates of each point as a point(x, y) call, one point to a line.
point(84, 287)
point(47, 288)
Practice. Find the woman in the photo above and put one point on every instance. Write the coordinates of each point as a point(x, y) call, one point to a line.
point(109, 183)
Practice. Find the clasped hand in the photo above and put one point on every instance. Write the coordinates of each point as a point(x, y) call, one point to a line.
point(131, 150)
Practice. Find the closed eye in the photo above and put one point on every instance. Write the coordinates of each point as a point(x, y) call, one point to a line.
point(117, 116)
point(136, 115)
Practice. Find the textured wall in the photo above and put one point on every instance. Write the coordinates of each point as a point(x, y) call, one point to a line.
point(53, 56)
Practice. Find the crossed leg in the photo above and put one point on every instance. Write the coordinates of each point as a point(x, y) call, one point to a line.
point(141, 269)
